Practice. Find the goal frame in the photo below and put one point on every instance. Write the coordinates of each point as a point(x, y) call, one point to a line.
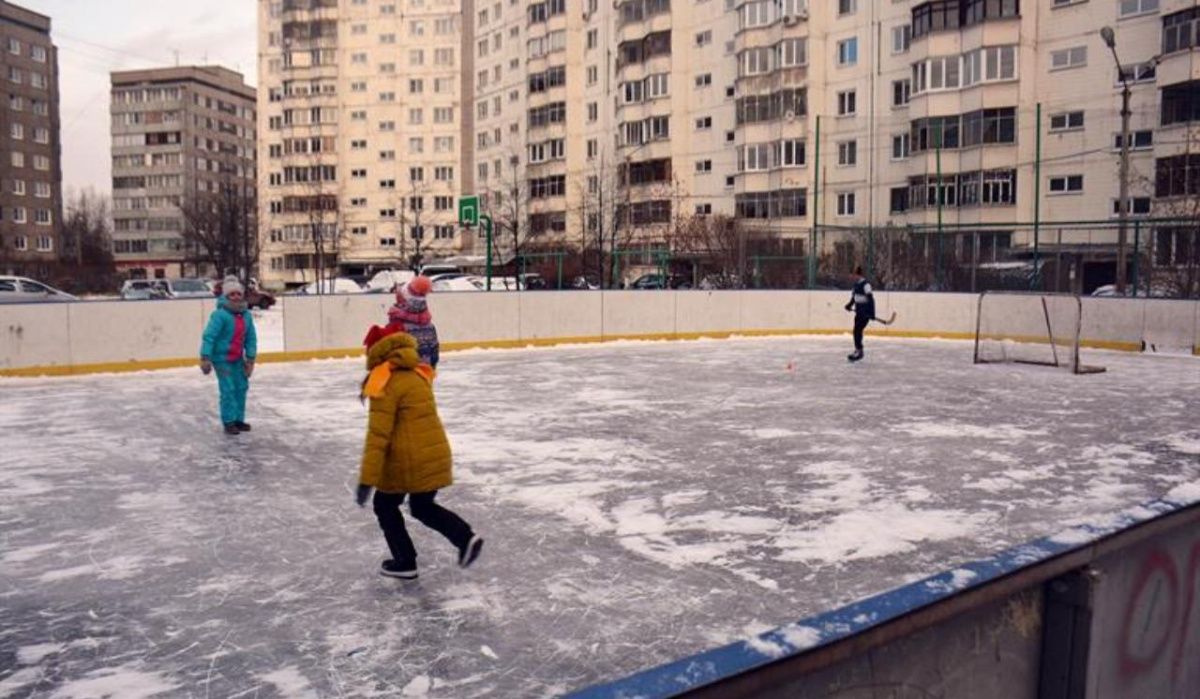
point(1072, 362)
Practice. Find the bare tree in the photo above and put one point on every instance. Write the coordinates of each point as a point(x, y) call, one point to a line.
point(603, 216)
point(1172, 249)
point(412, 210)
point(87, 262)
point(510, 208)
point(220, 228)
point(716, 245)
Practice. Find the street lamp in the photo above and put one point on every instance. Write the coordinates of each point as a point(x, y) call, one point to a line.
point(1110, 39)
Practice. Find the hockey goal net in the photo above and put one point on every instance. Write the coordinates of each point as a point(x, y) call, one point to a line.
point(1030, 328)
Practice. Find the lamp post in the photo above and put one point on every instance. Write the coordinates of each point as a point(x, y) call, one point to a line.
point(1110, 39)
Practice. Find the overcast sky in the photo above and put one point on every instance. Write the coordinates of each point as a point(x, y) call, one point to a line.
point(95, 37)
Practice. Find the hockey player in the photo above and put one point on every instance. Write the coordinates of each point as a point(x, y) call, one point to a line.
point(862, 302)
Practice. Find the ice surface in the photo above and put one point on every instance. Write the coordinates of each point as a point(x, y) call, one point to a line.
point(641, 501)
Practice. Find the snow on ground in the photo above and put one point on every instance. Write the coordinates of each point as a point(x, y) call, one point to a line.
point(641, 501)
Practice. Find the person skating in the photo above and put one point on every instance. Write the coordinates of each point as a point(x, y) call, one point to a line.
point(407, 455)
point(411, 315)
point(229, 347)
point(862, 302)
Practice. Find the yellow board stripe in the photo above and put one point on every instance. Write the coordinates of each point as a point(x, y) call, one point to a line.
point(352, 352)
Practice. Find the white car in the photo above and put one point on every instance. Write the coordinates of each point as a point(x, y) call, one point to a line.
point(386, 280)
point(166, 288)
point(341, 285)
point(458, 284)
point(24, 290)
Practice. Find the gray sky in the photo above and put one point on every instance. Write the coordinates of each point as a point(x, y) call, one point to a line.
point(95, 37)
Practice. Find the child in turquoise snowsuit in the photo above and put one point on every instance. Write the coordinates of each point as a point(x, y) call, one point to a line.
point(230, 346)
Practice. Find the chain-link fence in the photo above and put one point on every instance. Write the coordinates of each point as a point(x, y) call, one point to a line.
point(1162, 260)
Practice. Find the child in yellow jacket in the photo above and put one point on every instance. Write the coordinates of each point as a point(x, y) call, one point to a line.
point(407, 454)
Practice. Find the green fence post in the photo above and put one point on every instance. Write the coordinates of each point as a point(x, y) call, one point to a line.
point(1137, 230)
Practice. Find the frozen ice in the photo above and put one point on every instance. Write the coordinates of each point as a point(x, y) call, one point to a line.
point(641, 501)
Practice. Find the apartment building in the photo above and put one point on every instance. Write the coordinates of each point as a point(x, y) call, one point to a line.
point(183, 140)
point(31, 170)
point(614, 125)
point(362, 128)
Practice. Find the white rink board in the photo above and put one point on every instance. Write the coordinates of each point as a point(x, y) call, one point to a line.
point(107, 332)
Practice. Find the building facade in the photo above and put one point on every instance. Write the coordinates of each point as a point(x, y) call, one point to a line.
point(31, 170)
point(362, 119)
point(619, 126)
point(183, 170)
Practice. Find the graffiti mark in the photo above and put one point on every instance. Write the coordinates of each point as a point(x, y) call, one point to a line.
point(1158, 614)
point(1146, 628)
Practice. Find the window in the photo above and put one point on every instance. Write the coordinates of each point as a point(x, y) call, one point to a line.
point(19, 216)
point(847, 7)
point(704, 123)
point(1139, 140)
point(1066, 121)
point(38, 53)
point(1138, 206)
point(900, 146)
point(593, 111)
point(1138, 73)
point(1179, 30)
point(1181, 103)
point(16, 131)
point(704, 80)
point(848, 153)
point(593, 75)
point(901, 92)
point(443, 173)
point(703, 166)
point(901, 38)
point(704, 209)
point(1066, 184)
point(847, 52)
point(1129, 8)
point(940, 15)
point(1065, 59)
point(783, 203)
point(1177, 175)
point(17, 158)
point(845, 204)
point(898, 200)
point(593, 38)
point(846, 103)
point(704, 38)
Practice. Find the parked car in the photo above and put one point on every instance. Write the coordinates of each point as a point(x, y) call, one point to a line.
point(341, 285)
point(658, 281)
point(25, 290)
point(187, 288)
point(533, 281)
point(585, 282)
point(255, 297)
point(144, 289)
point(432, 270)
point(385, 280)
point(459, 284)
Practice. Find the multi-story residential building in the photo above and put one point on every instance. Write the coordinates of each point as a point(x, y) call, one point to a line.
point(182, 142)
point(613, 126)
point(362, 125)
point(31, 169)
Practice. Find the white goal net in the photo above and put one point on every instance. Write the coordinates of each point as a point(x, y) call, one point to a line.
point(1030, 328)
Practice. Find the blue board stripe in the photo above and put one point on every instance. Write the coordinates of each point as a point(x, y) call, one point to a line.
point(813, 632)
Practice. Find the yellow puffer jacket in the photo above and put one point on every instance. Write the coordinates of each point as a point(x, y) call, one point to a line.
point(406, 449)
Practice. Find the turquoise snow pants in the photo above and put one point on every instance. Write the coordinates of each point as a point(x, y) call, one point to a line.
point(233, 384)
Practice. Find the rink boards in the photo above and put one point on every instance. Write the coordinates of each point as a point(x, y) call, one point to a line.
point(1105, 612)
point(100, 336)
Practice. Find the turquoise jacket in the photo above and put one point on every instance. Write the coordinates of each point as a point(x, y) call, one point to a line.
point(224, 341)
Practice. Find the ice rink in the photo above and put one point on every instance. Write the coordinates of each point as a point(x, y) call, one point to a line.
point(640, 501)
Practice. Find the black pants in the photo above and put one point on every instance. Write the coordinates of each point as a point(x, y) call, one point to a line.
point(860, 324)
point(427, 512)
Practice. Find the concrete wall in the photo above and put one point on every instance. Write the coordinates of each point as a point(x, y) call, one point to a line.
point(1105, 611)
point(1146, 638)
point(110, 335)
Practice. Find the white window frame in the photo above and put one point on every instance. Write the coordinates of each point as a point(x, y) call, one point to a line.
point(1066, 183)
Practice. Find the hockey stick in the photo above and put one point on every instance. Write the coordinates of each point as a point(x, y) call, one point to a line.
point(889, 321)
